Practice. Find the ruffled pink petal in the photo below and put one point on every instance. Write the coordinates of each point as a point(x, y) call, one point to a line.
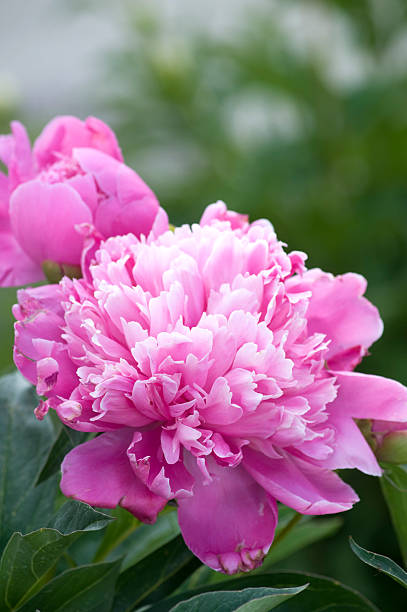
point(298, 484)
point(338, 309)
point(219, 212)
point(228, 523)
point(165, 480)
point(98, 472)
point(39, 352)
point(43, 219)
point(63, 134)
point(364, 396)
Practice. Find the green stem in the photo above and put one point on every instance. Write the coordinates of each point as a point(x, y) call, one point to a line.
point(69, 560)
point(102, 553)
point(290, 525)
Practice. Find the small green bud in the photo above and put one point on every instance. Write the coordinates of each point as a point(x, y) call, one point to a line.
point(393, 448)
point(54, 271)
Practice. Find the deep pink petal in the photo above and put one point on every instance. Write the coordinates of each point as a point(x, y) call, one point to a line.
point(15, 153)
point(103, 138)
point(228, 523)
point(160, 224)
point(63, 134)
point(43, 219)
point(86, 187)
point(98, 472)
point(102, 167)
point(298, 484)
point(16, 268)
point(131, 207)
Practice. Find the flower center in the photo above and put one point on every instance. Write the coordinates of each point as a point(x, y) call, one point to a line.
point(62, 170)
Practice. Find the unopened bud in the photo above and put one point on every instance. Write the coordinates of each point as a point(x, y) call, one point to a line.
point(54, 271)
point(393, 448)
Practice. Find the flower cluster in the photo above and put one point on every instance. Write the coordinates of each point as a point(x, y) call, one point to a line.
point(215, 368)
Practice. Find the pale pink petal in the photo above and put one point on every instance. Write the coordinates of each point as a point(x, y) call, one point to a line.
point(351, 449)
point(98, 473)
point(219, 212)
point(43, 219)
point(165, 480)
point(364, 396)
point(299, 484)
point(38, 336)
point(228, 523)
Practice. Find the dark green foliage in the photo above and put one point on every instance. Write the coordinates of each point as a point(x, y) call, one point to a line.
point(155, 577)
point(86, 589)
point(28, 559)
point(394, 488)
point(320, 594)
point(24, 443)
point(64, 442)
point(246, 600)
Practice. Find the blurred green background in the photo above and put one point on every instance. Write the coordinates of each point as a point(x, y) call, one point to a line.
point(294, 111)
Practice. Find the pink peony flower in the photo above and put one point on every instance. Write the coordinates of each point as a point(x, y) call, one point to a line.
point(72, 185)
point(209, 358)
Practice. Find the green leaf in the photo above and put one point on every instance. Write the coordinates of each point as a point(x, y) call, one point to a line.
point(155, 577)
point(247, 600)
point(87, 588)
point(27, 560)
point(24, 444)
point(380, 562)
point(75, 516)
point(321, 594)
point(63, 443)
point(394, 488)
